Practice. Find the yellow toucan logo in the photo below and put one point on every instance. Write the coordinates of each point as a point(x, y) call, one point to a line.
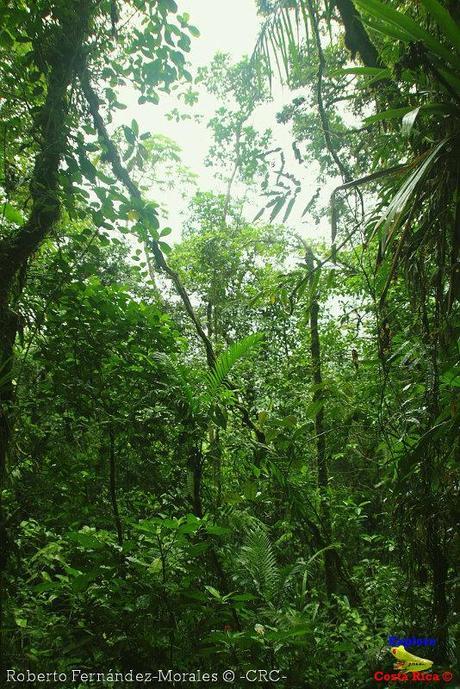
point(408, 662)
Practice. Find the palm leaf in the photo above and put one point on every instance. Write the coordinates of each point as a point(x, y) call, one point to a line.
point(277, 38)
point(225, 361)
point(258, 559)
point(396, 113)
point(391, 218)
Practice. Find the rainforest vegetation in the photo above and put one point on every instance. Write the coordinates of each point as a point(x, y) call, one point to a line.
point(229, 436)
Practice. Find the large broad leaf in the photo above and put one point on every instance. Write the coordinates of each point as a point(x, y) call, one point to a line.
point(228, 359)
point(390, 114)
point(452, 79)
point(396, 113)
point(405, 26)
point(388, 30)
point(408, 121)
point(12, 214)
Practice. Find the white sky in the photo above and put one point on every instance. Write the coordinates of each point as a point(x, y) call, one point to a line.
point(229, 26)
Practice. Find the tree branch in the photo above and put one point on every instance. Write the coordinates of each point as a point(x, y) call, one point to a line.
point(122, 174)
point(124, 177)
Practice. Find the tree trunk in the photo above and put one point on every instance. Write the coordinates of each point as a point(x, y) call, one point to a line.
point(320, 430)
point(356, 37)
point(8, 328)
point(113, 487)
point(195, 473)
point(62, 56)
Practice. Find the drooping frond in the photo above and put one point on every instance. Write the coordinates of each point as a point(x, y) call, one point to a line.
point(280, 35)
point(400, 204)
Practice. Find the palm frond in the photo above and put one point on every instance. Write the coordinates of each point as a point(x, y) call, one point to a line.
point(259, 561)
point(391, 218)
point(225, 361)
point(279, 37)
point(445, 21)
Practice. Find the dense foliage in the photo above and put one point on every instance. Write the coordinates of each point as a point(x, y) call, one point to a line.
point(239, 449)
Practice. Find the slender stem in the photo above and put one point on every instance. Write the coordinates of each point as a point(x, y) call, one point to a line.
point(113, 486)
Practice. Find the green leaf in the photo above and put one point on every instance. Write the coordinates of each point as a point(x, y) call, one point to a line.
point(88, 168)
point(214, 592)
point(167, 5)
point(451, 378)
point(129, 135)
point(277, 207)
point(399, 202)
point(165, 247)
point(386, 29)
point(85, 540)
point(12, 214)
point(396, 113)
point(250, 490)
point(46, 586)
point(368, 71)
point(244, 597)
point(153, 71)
point(216, 530)
point(220, 417)
point(289, 421)
point(452, 79)
point(313, 408)
point(6, 40)
point(445, 21)
point(408, 121)
point(81, 582)
point(405, 24)
point(289, 209)
point(390, 114)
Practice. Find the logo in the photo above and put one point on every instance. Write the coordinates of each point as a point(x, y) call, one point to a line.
point(407, 662)
point(411, 668)
point(410, 641)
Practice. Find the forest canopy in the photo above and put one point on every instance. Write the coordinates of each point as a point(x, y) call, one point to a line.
point(229, 392)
